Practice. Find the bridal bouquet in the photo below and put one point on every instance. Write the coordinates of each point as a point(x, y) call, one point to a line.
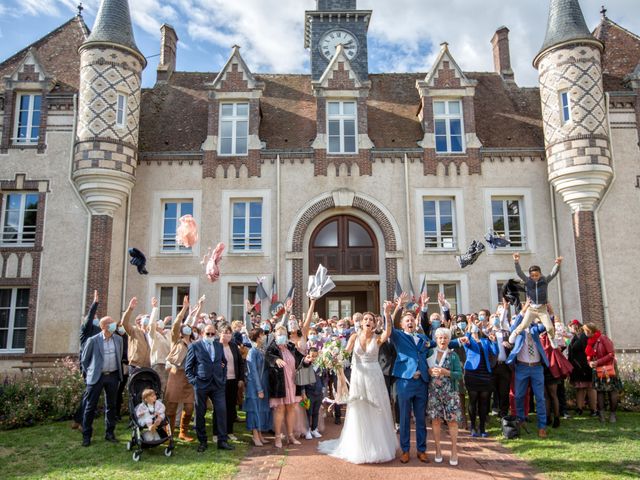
point(333, 357)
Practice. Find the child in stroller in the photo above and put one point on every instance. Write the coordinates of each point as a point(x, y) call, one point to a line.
point(149, 427)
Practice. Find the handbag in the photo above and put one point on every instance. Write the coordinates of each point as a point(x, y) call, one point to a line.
point(606, 371)
point(305, 375)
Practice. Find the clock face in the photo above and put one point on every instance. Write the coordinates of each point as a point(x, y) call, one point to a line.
point(330, 41)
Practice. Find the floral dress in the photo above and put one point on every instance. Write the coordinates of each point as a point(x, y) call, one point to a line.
point(444, 401)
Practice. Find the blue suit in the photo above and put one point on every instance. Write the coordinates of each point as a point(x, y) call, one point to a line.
point(206, 369)
point(472, 350)
point(528, 373)
point(412, 392)
point(92, 362)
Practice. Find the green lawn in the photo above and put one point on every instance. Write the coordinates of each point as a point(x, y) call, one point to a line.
point(55, 451)
point(582, 448)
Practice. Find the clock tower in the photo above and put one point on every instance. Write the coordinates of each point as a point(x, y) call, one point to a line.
point(333, 23)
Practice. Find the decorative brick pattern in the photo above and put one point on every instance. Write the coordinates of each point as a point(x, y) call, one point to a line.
point(234, 81)
point(306, 219)
point(322, 161)
point(105, 73)
point(340, 79)
point(105, 153)
point(211, 162)
point(99, 259)
point(588, 265)
point(391, 265)
point(579, 150)
point(446, 77)
point(472, 158)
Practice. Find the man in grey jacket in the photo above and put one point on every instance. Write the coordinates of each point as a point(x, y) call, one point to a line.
point(101, 362)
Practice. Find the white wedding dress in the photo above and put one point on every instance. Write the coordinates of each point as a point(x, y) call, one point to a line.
point(368, 435)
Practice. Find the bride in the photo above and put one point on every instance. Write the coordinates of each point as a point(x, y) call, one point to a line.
point(368, 435)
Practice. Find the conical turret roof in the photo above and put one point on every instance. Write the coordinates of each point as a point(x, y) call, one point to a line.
point(113, 25)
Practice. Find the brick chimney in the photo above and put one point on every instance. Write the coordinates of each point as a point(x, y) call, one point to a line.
point(501, 56)
point(168, 47)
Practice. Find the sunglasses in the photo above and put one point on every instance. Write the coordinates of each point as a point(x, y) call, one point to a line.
point(210, 334)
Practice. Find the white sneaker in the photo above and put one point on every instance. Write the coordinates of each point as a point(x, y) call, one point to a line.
point(316, 433)
point(307, 435)
point(233, 437)
point(215, 439)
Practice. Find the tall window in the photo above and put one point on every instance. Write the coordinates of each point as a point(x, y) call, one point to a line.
point(439, 223)
point(173, 210)
point(565, 105)
point(240, 293)
point(121, 110)
point(171, 298)
point(448, 125)
point(14, 309)
point(234, 128)
point(247, 225)
point(341, 126)
point(19, 216)
point(508, 220)
point(27, 125)
point(451, 291)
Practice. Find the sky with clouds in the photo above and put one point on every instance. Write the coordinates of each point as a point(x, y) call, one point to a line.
point(404, 35)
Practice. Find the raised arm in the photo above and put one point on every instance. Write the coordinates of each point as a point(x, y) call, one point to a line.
point(555, 270)
point(87, 322)
point(519, 272)
point(388, 324)
point(176, 328)
point(307, 321)
point(352, 342)
point(126, 321)
point(153, 320)
point(401, 301)
point(424, 313)
point(445, 306)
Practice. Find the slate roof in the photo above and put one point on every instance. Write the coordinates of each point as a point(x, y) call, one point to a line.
point(566, 22)
point(57, 52)
point(506, 116)
point(113, 25)
point(621, 54)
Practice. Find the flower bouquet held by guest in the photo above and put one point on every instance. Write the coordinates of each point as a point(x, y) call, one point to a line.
point(368, 435)
point(602, 359)
point(150, 414)
point(536, 286)
point(444, 402)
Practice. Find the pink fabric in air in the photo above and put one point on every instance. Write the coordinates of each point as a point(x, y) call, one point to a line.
point(212, 270)
point(187, 233)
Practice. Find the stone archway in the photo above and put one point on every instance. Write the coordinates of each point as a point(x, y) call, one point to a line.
point(344, 198)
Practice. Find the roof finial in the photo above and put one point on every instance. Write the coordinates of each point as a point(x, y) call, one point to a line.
point(80, 9)
point(603, 12)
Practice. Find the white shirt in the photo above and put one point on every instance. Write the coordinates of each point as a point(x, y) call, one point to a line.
point(523, 354)
point(502, 353)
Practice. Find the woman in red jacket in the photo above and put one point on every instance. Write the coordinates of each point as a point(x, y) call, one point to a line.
point(602, 359)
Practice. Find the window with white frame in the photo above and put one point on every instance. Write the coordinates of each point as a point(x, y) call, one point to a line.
point(507, 215)
point(234, 128)
point(171, 298)
point(439, 223)
point(237, 295)
point(27, 123)
point(565, 106)
point(342, 127)
point(451, 291)
point(14, 309)
point(121, 110)
point(172, 211)
point(246, 225)
point(448, 126)
point(19, 218)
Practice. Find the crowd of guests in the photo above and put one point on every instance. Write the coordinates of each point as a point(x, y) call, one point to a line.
point(508, 361)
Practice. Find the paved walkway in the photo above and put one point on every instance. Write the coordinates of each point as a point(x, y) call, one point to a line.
point(479, 458)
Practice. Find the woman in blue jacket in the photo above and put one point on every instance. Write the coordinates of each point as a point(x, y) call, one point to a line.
point(477, 375)
point(256, 400)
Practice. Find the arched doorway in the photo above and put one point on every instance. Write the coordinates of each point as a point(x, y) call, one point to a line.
point(347, 246)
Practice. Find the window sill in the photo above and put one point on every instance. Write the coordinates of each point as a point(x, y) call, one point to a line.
point(439, 251)
point(247, 254)
point(451, 154)
point(508, 251)
point(25, 246)
point(162, 253)
point(232, 155)
point(341, 154)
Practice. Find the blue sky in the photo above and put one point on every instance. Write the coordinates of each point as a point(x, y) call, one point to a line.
point(404, 35)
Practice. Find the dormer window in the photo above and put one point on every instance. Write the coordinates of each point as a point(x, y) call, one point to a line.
point(448, 126)
point(565, 106)
point(342, 127)
point(234, 128)
point(27, 123)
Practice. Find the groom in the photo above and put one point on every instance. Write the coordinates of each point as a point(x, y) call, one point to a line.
point(412, 380)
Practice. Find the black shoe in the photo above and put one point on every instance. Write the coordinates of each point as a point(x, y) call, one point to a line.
point(579, 411)
point(549, 421)
point(86, 442)
point(594, 413)
point(225, 446)
point(111, 438)
point(556, 422)
point(202, 447)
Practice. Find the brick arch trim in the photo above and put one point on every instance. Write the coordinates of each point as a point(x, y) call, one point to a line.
point(359, 203)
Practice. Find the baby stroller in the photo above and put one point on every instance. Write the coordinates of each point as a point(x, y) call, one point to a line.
point(138, 382)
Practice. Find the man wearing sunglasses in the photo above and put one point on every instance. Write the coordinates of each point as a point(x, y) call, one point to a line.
point(206, 370)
